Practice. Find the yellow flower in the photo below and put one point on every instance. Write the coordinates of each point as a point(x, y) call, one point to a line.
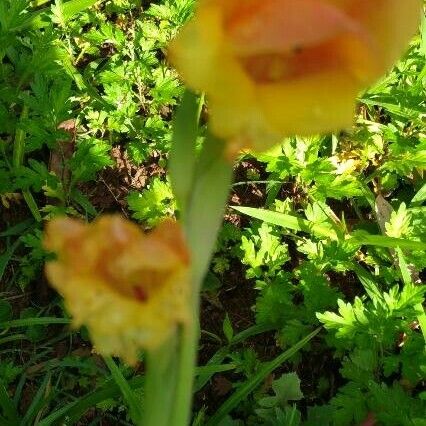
point(275, 68)
point(130, 289)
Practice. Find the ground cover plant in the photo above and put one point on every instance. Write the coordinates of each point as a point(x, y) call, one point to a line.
point(312, 307)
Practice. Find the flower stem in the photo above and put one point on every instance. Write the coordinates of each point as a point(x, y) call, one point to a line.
point(186, 369)
point(201, 224)
point(18, 160)
point(160, 383)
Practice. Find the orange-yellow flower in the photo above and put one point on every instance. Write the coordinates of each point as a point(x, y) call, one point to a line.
point(130, 289)
point(274, 68)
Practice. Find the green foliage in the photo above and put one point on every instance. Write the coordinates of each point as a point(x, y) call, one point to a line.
point(102, 66)
point(153, 204)
point(276, 409)
point(227, 246)
point(32, 262)
point(9, 372)
point(90, 157)
point(263, 252)
point(357, 322)
point(360, 293)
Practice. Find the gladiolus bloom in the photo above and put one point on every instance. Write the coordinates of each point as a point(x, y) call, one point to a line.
point(275, 68)
point(130, 289)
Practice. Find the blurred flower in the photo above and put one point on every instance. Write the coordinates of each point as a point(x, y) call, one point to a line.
point(274, 68)
point(130, 289)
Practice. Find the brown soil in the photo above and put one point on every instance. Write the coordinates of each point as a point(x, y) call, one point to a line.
point(109, 192)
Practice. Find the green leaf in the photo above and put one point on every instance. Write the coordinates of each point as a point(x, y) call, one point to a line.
point(152, 204)
point(263, 252)
point(126, 390)
point(9, 371)
point(28, 322)
point(228, 331)
point(91, 156)
point(182, 154)
point(349, 405)
point(420, 196)
point(399, 224)
point(38, 20)
point(286, 388)
point(73, 7)
point(294, 223)
point(347, 322)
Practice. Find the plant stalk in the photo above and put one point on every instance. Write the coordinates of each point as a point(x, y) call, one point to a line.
point(201, 224)
point(18, 160)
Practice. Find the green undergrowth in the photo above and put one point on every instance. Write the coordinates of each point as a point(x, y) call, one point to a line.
point(323, 243)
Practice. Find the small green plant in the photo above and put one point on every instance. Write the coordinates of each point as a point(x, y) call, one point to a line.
point(153, 204)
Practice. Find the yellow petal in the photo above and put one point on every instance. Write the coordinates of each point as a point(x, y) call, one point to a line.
point(299, 106)
point(197, 48)
point(391, 24)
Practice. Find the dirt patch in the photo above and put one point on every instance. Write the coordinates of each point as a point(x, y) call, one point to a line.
point(109, 192)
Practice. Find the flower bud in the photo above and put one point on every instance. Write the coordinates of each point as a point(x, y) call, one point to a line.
point(276, 68)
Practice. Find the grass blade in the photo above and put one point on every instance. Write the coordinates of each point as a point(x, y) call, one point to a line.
point(204, 374)
point(40, 399)
point(76, 409)
point(292, 222)
point(367, 280)
point(127, 392)
point(17, 229)
point(6, 256)
point(7, 405)
point(255, 381)
point(27, 322)
point(420, 196)
point(387, 242)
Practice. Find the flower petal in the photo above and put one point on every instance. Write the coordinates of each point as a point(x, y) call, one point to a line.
point(280, 26)
point(130, 289)
point(298, 106)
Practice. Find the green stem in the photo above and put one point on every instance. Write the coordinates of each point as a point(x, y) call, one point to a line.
point(32, 205)
point(201, 185)
point(18, 161)
point(19, 144)
point(187, 359)
point(160, 379)
point(201, 224)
